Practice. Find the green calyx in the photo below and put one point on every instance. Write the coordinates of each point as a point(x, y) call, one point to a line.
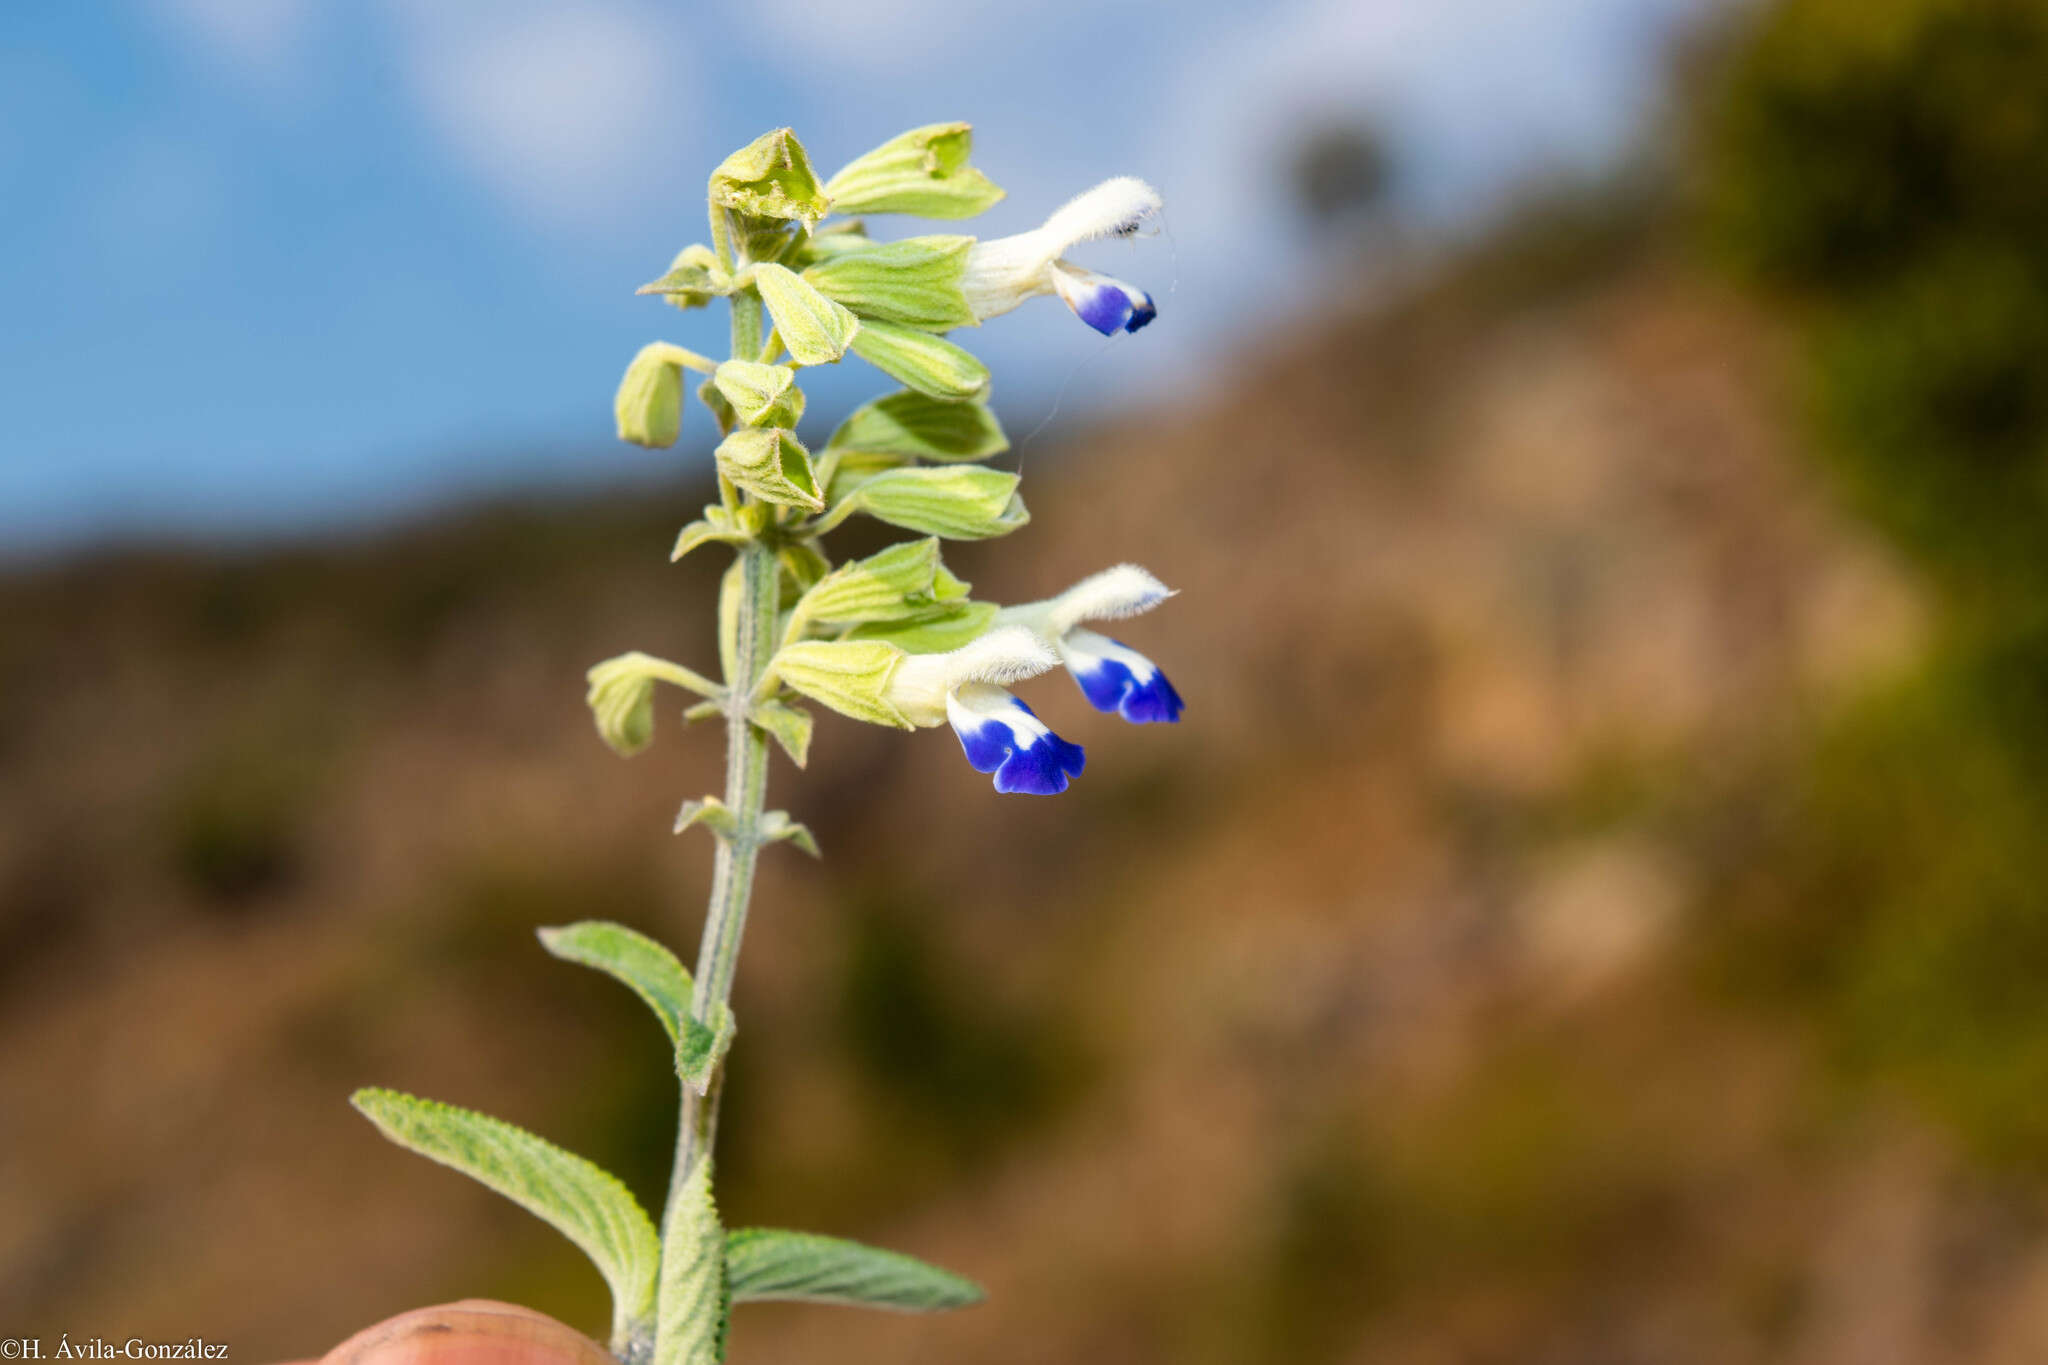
point(922, 172)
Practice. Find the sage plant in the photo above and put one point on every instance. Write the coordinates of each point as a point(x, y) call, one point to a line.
point(894, 639)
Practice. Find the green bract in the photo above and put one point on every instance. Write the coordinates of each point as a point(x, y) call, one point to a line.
point(922, 172)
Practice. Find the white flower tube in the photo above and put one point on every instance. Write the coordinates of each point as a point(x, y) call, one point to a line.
point(1113, 676)
point(1006, 271)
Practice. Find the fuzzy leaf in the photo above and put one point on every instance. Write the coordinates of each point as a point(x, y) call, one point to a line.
point(923, 172)
point(791, 726)
point(578, 1199)
point(695, 1303)
point(778, 828)
point(711, 813)
point(693, 279)
point(911, 423)
point(930, 364)
point(703, 1047)
point(814, 328)
point(717, 525)
point(647, 968)
point(768, 1263)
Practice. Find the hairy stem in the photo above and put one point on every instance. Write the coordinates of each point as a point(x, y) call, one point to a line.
point(732, 878)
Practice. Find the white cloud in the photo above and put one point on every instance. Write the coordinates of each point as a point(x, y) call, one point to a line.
point(261, 42)
point(569, 111)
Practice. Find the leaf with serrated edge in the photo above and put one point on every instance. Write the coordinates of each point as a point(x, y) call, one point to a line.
point(647, 968)
point(695, 1304)
point(578, 1199)
point(768, 1263)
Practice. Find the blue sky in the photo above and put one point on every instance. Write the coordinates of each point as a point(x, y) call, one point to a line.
point(277, 265)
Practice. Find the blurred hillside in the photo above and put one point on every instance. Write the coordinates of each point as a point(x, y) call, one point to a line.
point(1538, 942)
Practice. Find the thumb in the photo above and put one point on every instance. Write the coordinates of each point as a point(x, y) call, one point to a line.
point(471, 1332)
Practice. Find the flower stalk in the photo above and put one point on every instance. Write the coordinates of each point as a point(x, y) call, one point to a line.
point(893, 639)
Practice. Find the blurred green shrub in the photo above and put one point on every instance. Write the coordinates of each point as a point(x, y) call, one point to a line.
point(1881, 163)
point(1882, 167)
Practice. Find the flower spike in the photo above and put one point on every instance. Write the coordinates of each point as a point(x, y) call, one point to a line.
point(1008, 270)
point(1001, 735)
point(1114, 677)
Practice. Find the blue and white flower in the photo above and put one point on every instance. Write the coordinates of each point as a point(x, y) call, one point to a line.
point(1113, 676)
point(1006, 271)
point(998, 732)
point(1001, 735)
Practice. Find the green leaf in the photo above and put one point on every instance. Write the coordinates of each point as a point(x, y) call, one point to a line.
point(915, 282)
point(621, 696)
point(958, 625)
point(695, 1302)
point(768, 1263)
point(709, 812)
point(923, 172)
point(931, 365)
point(851, 678)
point(778, 828)
point(579, 1200)
point(703, 1047)
point(761, 395)
point(814, 328)
point(694, 278)
point(772, 464)
point(911, 423)
point(770, 177)
point(959, 502)
point(791, 726)
point(716, 525)
point(647, 968)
